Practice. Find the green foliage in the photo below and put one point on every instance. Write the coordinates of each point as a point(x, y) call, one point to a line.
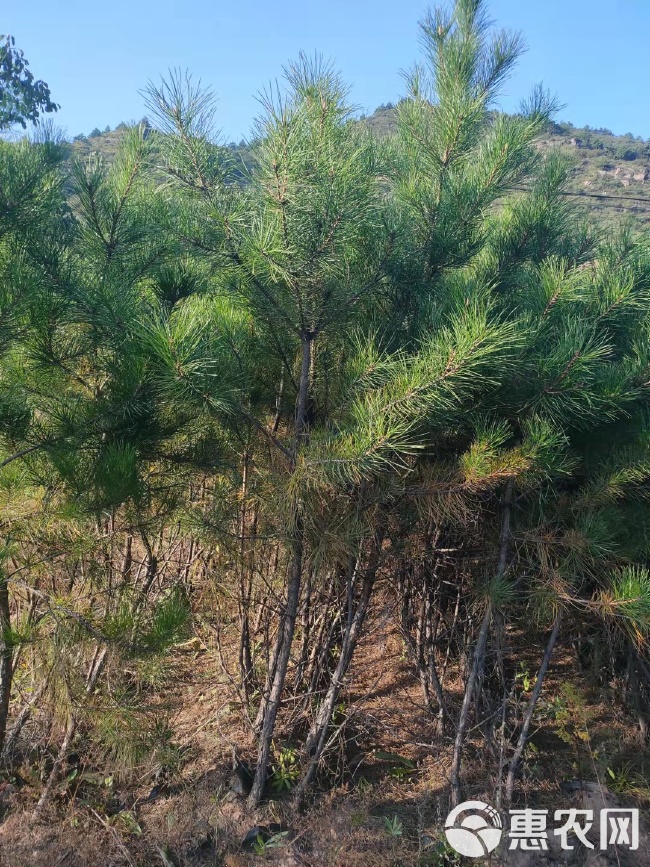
point(628, 782)
point(126, 821)
point(286, 770)
point(627, 600)
point(626, 153)
point(393, 826)
point(262, 844)
point(570, 715)
point(167, 624)
point(401, 767)
point(22, 97)
point(440, 854)
point(345, 341)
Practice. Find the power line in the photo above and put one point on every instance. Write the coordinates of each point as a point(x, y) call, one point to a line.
point(606, 196)
point(601, 196)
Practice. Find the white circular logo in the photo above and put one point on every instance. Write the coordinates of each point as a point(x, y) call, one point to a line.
point(476, 834)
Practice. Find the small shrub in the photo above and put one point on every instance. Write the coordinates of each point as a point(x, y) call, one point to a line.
point(394, 827)
point(626, 153)
point(286, 770)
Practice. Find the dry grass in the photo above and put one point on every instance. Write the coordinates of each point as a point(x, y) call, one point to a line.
point(191, 819)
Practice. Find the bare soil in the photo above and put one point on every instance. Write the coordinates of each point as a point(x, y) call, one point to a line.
point(382, 802)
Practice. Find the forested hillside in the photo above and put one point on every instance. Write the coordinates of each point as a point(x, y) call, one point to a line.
point(324, 471)
point(609, 177)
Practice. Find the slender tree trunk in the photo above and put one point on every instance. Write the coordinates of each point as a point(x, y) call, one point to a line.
point(288, 622)
point(150, 573)
point(416, 647)
point(528, 716)
point(305, 626)
point(303, 393)
point(423, 647)
point(23, 717)
point(6, 657)
point(270, 674)
point(320, 645)
point(317, 736)
point(149, 578)
point(272, 658)
point(422, 633)
point(94, 671)
point(479, 652)
point(127, 560)
point(636, 693)
point(245, 655)
point(53, 777)
point(452, 632)
point(287, 628)
point(320, 666)
point(435, 683)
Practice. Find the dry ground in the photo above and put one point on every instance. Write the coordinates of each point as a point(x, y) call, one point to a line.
point(376, 809)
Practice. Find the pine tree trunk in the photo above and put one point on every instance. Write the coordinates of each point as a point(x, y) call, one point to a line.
point(435, 684)
point(245, 655)
point(637, 698)
point(479, 651)
point(528, 716)
point(270, 675)
point(94, 670)
point(127, 560)
point(288, 622)
point(320, 645)
point(19, 723)
point(6, 657)
point(305, 626)
point(317, 736)
point(53, 777)
point(287, 628)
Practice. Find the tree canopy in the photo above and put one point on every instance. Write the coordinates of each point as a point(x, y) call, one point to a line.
point(350, 364)
point(22, 97)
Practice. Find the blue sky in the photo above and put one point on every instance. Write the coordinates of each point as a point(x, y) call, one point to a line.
point(595, 54)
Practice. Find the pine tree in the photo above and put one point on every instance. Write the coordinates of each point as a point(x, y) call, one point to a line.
point(338, 363)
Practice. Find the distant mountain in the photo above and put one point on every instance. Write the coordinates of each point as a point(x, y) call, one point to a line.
point(607, 166)
point(609, 169)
